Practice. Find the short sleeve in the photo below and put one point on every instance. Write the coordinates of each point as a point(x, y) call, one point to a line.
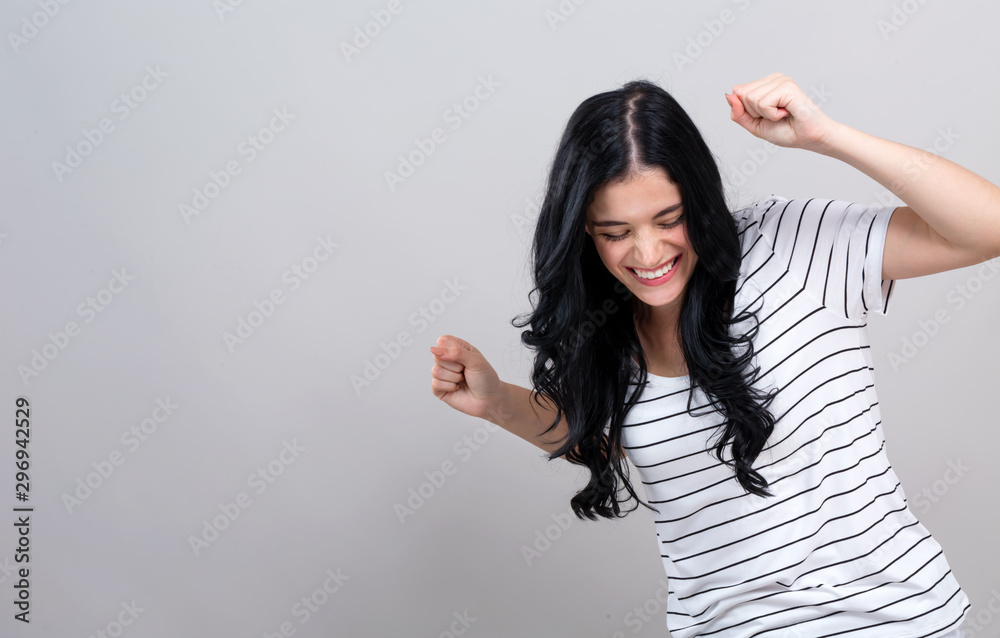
point(834, 248)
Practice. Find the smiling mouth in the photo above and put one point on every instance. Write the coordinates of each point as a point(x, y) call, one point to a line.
point(658, 273)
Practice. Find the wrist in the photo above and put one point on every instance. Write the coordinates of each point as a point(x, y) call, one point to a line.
point(498, 409)
point(833, 140)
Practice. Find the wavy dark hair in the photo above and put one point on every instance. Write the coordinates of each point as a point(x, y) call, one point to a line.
point(587, 347)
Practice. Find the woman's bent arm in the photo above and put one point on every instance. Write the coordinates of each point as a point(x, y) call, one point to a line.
point(517, 412)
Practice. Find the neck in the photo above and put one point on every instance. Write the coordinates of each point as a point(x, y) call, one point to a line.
point(657, 321)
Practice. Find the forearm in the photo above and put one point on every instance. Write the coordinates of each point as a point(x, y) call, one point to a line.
point(961, 206)
point(518, 413)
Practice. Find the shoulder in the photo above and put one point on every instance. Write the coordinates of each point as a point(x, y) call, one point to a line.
point(753, 215)
point(784, 222)
point(755, 224)
point(832, 248)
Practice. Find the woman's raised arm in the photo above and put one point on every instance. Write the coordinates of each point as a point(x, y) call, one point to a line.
point(952, 216)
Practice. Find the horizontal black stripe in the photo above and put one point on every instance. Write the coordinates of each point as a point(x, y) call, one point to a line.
point(841, 599)
point(798, 495)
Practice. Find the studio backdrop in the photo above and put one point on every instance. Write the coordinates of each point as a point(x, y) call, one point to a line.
point(231, 230)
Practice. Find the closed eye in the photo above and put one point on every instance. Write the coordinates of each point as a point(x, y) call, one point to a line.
point(622, 236)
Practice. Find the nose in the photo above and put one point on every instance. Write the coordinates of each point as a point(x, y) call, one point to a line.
point(650, 250)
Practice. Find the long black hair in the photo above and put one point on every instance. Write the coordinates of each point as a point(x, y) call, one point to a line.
point(583, 322)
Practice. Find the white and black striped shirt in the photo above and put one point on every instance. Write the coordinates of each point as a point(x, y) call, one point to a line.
point(836, 551)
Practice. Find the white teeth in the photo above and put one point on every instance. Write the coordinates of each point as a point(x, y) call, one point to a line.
point(656, 273)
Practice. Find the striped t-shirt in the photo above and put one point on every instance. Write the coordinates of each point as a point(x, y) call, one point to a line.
point(836, 551)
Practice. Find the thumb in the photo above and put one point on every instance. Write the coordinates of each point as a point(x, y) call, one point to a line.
point(739, 114)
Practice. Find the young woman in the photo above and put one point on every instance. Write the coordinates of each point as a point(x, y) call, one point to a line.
point(726, 356)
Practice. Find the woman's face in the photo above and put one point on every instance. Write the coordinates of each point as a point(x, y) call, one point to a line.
point(639, 225)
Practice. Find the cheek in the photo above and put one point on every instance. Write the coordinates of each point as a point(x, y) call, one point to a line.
point(611, 257)
point(692, 263)
point(688, 248)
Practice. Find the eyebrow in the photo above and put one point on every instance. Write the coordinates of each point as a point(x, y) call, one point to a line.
point(663, 212)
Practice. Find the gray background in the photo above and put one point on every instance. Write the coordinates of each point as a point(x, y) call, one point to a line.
point(464, 216)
